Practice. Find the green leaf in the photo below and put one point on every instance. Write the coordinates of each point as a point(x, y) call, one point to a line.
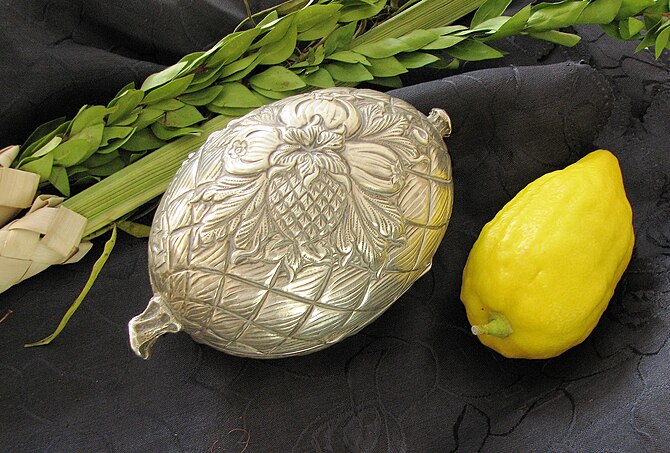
point(354, 12)
point(94, 161)
point(147, 117)
point(662, 40)
point(48, 147)
point(340, 39)
point(87, 116)
point(630, 28)
point(381, 49)
point(97, 267)
point(489, 26)
point(453, 64)
point(183, 117)
point(167, 105)
point(134, 157)
point(599, 12)
point(279, 51)
point(272, 95)
point(167, 134)
point(114, 132)
point(417, 39)
point(130, 118)
point(202, 97)
point(194, 60)
point(271, 17)
point(230, 111)
point(550, 16)
point(348, 56)
point(291, 6)
point(58, 178)
point(73, 152)
point(473, 51)
point(41, 166)
point(121, 92)
point(42, 131)
point(557, 37)
point(125, 104)
point(134, 229)
point(77, 170)
point(143, 140)
point(314, 15)
point(490, 9)
point(348, 72)
point(314, 57)
point(247, 63)
point(416, 59)
point(277, 33)
point(653, 21)
point(277, 78)
point(390, 82)
point(204, 76)
point(169, 90)
point(320, 30)
point(79, 147)
point(108, 168)
point(233, 47)
point(236, 95)
point(160, 78)
point(514, 26)
point(320, 79)
point(110, 147)
point(630, 8)
point(449, 29)
point(386, 67)
point(86, 180)
point(612, 30)
point(39, 143)
point(444, 42)
point(649, 38)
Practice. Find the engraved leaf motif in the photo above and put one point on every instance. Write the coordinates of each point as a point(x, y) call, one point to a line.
point(390, 129)
point(380, 120)
point(224, 201)
point(251, 235)
point(381, 215)
point(375, 224)
point(254, 227)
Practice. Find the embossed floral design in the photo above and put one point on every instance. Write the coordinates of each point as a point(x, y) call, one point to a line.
point(311, 178)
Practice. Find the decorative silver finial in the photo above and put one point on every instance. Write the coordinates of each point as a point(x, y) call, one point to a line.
point(441, 121)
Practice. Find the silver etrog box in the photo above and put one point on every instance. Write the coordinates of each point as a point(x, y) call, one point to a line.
point(298, 224)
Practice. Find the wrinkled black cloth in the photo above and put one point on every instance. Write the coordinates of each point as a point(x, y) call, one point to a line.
point(415, 380)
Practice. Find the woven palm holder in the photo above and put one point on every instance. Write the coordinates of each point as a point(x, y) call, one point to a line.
point(47, 234)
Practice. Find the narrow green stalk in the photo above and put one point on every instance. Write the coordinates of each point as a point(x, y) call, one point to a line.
point(97, 267)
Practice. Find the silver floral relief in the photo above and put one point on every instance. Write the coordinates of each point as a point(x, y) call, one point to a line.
point(301, 222)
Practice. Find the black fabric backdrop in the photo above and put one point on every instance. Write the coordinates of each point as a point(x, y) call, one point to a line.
point(415, 380)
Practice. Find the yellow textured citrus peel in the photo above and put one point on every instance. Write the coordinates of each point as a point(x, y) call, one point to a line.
point(542, 272)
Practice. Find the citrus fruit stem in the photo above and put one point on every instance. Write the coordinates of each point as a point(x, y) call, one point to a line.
point(498, 326)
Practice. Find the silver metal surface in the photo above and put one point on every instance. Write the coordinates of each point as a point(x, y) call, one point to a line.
point(298, 224)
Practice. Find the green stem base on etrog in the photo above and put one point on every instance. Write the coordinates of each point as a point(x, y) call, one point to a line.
point(498, 326)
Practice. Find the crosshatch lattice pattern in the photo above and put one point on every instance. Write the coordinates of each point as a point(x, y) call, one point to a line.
point(259, 305)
